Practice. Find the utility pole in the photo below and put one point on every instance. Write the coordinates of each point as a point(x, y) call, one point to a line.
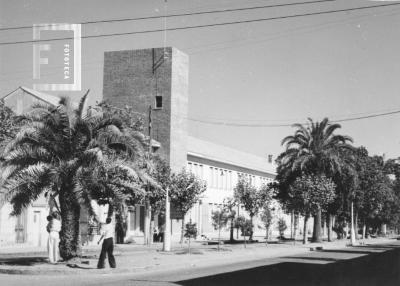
point(147, 223)
point(352, 232)
point(167, 229)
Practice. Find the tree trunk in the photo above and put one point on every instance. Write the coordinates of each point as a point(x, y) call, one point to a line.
point(364, 230)
point(251, 229)
point(317, 227)
point(291, 225)
point(383, 229)
point(329, 221)
point(296, 225)
point(305, 240)
point(69, 236)
point(356, 225)
point(219, 235)
point(182, 229)
point(231, 231)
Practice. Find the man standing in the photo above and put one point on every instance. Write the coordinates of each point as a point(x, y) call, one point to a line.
point(108, 245)
point(54, 227)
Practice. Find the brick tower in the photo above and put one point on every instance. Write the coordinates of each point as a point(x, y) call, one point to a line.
point(156, 77)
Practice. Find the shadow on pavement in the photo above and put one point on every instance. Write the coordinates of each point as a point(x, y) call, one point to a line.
point(378, 246)
point(351, 251)
point(381, 269)
point(23, 261)
point(71, 265)
point(311, 258)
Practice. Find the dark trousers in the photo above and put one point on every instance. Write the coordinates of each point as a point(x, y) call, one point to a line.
point(107, 247)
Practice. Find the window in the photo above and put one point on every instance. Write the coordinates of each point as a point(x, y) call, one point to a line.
point(159, 102)
point(220, 179)
point(225, 179)
point(132, 219)
point(215, 178)
point(211, 175)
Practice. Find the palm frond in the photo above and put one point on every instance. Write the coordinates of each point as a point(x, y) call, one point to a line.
point(81, 107)
point(26, 187)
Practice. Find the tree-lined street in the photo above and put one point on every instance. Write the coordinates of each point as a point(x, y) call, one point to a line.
point(202, 142)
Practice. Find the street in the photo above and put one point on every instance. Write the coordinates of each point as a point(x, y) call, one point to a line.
point(363, 265)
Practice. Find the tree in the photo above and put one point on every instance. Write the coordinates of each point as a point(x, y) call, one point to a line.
point(245, 226)
point(282, 226)
point(266, 217)
point(9, 126)
point(129, 118)
point(190, 232)
point(219, 220)
point(313, 149)
point(249, 197)
point(311, 193)
point(149, 164)
point(185, 192)
point(8, 130)
point(346, 181)
point(155, 197)
point(266, 194)
point(375, 196)
point(52, 152)
point(229, 206)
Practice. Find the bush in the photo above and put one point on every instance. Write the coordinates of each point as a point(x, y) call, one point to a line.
point(190, 230)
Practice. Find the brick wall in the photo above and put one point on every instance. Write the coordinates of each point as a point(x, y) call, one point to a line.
point(129, 80)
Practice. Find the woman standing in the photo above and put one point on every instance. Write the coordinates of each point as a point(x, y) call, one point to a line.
point(54, 238)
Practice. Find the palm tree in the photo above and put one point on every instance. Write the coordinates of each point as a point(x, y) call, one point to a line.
point(314, 149)
point(62, 152)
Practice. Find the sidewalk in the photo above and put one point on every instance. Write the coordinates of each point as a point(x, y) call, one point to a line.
point(139, 258)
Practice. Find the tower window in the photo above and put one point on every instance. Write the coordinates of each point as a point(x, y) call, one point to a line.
point(158, 102)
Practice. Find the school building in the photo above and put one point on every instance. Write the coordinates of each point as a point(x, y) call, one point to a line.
point(156, 78)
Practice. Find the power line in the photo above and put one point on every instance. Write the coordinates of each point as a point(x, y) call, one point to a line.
point(224, 45)
point(183, 14)
point(208, 25)
point(233, 124)
point(193, 50)
point(367, 116)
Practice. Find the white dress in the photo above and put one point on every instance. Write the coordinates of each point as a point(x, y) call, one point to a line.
point(54, 239)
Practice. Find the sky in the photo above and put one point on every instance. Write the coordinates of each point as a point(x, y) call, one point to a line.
point(245, 77)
